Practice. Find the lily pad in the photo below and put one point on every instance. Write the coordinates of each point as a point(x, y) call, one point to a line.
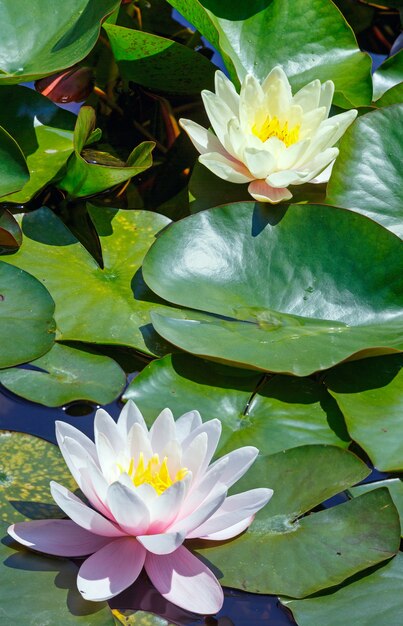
point(395, 486)
point(257, 36)
point(373, 599)
point(27, 465)
point(45, 37)
point(285, 553)
point(159, 63)
point(37, 590)
point(366, 175)
point(83, 178)
point(274, 415)
point(64, 375)
point(27, 327)
point(108, 305)
point(13, 167)
point(43, 131)
point(265, 293)
point(388, 75)
point(370, 395)
point(10, 232)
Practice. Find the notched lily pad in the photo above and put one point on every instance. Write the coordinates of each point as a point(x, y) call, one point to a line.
point(64, 375)
point(285, 552)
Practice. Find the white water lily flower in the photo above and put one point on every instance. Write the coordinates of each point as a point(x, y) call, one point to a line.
point(148, 491)
point(267, 137)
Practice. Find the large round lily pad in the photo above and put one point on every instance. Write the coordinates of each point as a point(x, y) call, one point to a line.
point(370, 395)
point(27, 327)
point(285, 553)
point(273, 415)
point(367, 173)
point(373, 599)
point(290, 290)
point(41, 37)
point(27, 465)
point(38, 590)
point(109, 305)
point(64, 375)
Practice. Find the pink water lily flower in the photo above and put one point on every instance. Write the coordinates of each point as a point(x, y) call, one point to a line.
point(148, 491)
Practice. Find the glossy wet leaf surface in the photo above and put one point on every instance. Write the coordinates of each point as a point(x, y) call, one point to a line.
point(27, 465)
point(366, 175)
point(27, 327)
point(13, 168)
point(94, 305)
point(266, 294)
point(44, 37)
point(64, 375)
point(274, 414)
point(37, 590)
point(284, 553)
point(370, 395)
point(374, 599)
point(44, 133)
point(395, 487)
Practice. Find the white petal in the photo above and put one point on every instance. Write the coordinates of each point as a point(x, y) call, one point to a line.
point(212, 428)
point(106, 426)
point(218, 113)
point(278, 95)
point(108, 458)
point(202, 139)
point(260, 163)
point(324, 176)
point(250, 103)
point(164, 543)
point(138, 441)
point(202, 513)
point(230, 531)
point(162, 431)
point(326, 95)
point(292, 154)
point(262, 192)
point(275, 75)
point(235, 139)
point(342, 121)
point(129, 416)
point(225, 90)
point(194, 452)
point(66, 430)
point(226, 168)
point(236, 465)
point(234, 509)
point(164, 509)
point(308, 97)
point(111, 569)
point(81, 514)
point(128, 508)
point(310, 123)
point(204, 488)
point(186, 423)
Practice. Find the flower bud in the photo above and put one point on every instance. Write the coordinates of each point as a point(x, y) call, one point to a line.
point(72, 85)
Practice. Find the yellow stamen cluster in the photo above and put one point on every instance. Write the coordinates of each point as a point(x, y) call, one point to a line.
point(154, 473)
point(272, 127)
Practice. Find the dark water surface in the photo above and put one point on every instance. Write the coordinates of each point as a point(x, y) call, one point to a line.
point(240, 608)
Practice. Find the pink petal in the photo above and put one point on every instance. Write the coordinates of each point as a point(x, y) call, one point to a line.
point(128, 509)
point(230, 531)
point(262, 192)
point(163, 543)
point(81, 514)
point(57, 536)
point(111, 570)
point(184, 580)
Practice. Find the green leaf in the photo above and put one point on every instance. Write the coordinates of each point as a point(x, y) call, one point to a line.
point(26, 317)
point(159, 63)
point(258, 36)
point(38, 590)
point(285, 553)
point(10, 232)
point(265, 293)
point(13, 167)
point(66, 374)
point(27, 466)
point(374, 599)
point(395, 486)
point(366, 175)
point(370, 395)
point(109, 305)
point(45, 37)
point(274, 415)
point(392, 96)
point(84, 178)
point(44, 133)
point(388, 75)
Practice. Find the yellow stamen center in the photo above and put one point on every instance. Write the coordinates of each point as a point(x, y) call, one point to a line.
point(154, 473)
point(272, 127)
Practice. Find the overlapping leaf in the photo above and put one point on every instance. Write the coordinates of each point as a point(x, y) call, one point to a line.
point(367, 173)
point(13, 167)
point(266, 293)
point(274, 415)
point(388, 75)
point(10, 232)
point(43, 131)
point(45, 36)
point(285, 553)
point(64, 375)
point(108, 305)
point(395, 487)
